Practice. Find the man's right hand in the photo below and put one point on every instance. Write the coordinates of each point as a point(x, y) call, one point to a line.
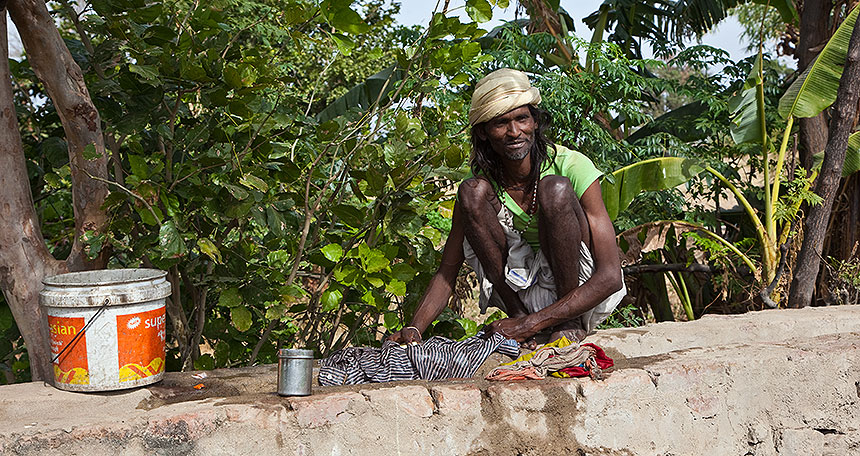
point(406, 335)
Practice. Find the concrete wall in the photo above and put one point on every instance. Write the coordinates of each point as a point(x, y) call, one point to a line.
point(764, 383)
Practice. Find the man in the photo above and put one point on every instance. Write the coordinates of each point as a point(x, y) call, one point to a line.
point(530, 221)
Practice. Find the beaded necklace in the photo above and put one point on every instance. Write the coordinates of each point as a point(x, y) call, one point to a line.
point(530, 211)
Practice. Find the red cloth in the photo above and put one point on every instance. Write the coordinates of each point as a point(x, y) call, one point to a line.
point(603, 362)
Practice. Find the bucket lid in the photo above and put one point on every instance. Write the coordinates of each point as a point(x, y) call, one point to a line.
point(103, 277)
point(92, 288)
point(295, 353)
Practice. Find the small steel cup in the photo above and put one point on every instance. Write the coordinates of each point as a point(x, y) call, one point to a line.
point(295, 371)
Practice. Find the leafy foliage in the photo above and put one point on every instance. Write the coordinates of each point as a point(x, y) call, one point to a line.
point(279, 225)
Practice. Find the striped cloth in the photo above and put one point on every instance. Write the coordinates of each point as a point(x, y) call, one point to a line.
point(436, 358)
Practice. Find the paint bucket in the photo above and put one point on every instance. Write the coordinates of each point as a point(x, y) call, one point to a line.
point(295, 371)
point(107, 328)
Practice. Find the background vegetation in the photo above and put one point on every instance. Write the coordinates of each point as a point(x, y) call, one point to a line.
point(291, 163)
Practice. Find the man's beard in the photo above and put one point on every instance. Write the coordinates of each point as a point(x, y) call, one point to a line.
point(522, 153)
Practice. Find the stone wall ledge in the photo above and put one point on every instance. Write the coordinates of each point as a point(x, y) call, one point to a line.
point(764, 383)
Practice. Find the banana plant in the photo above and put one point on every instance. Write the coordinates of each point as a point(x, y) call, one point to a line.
point(620, 187)
point(812, 92)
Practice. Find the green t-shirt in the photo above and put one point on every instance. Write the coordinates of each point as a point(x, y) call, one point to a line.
point(568, 163)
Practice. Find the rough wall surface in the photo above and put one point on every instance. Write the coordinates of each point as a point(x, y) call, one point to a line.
point(764, 383)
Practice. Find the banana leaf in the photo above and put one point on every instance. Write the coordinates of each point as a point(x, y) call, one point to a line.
point(745, 113)
point(363, 95)
point(852, 155)
point(815, 89)
point(662, 173)
point(679, 122)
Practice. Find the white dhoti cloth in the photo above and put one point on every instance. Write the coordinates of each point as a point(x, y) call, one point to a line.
point(529, 274)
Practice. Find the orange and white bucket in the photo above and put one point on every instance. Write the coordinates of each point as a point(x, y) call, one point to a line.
point(107, 328)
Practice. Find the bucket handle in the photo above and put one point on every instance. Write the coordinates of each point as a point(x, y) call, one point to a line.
point(83, 330)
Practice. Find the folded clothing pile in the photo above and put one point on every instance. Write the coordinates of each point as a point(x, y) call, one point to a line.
point(561, 358)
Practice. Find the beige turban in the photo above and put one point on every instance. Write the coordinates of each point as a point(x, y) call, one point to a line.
point(499, 92)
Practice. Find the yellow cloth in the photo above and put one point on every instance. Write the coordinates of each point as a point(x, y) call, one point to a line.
point(499, 92)
point(558, 343)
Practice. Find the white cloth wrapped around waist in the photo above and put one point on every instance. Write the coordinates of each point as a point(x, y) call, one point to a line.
point(529, 274)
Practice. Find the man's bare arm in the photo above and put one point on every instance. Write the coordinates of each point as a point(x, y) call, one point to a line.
point(441, 286)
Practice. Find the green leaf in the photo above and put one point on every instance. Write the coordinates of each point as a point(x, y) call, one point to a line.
point(470, 326)
point(681, 122)
point(342, 17)
point(278, 259)
point(147, 216)
point(815, 89)
point(852, 155)
point(372, 260)
point(251, 181)
point(396, 288)
point(209, 249)
point(90, 152)
point(276, 311)
point(346, 274)
point(147, 72)
point(233, 77)
point(171, 203)
point(375, 281)
point(331, 299)
point(391, 321)
point(238, 192)
point(241, 317)
point(372, 299)
point(349, 215)
point(139, 167)
point(363, 95)
point(204, 362)
point(344, 44)
point(470, 51)
point(333, 252)
point(170, 240)
point(479, 10)
point(746, 122)
point(230, 298)
point(648, 175)
point(402, 272)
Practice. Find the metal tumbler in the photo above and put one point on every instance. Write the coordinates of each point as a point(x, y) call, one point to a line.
point(295, 371)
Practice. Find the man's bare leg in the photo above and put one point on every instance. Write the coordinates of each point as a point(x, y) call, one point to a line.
point(485, 234)
point(562, 227)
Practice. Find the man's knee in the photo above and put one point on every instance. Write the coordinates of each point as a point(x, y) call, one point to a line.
point(555, 193)
point(474, 193)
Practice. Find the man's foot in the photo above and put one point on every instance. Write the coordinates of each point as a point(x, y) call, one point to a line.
point(573, 335)
point(530, 344)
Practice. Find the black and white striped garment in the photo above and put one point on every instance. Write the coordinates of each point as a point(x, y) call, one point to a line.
point(436, 358)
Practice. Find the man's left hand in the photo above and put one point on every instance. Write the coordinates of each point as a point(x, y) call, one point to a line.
point(512, 328)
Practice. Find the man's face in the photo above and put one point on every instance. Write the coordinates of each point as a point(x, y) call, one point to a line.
point(511, 134)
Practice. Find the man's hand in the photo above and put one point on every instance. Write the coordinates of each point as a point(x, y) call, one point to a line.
point(406, 335)
point(512, 328)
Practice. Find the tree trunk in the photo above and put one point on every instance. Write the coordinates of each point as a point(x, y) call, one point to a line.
point(56, 69)
point(841, 123)
point(814, 33)
point(24, 258)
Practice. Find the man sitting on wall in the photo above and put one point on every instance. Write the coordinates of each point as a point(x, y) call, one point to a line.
point(531, 223)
